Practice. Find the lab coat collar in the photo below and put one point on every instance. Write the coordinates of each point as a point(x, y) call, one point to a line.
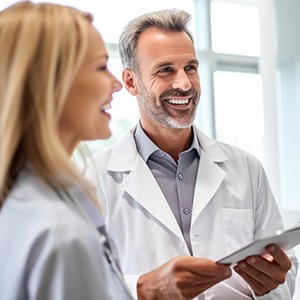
point(144, 189)
point(210, 175)
point(209, 178)
point(127, 160)
point(141, 185)
point(127, 148)
point(211, 147)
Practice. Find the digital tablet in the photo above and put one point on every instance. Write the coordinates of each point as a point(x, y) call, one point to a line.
point(285, 239)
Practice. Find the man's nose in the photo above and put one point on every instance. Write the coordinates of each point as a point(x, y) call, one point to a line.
point(181, 81)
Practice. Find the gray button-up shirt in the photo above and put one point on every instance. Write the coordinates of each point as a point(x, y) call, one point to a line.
point(176, 179)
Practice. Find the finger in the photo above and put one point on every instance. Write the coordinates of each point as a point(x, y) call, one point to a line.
point(270, 269)
point(207, 267)
point(280, 257)
point(268, 257)
point(259, 288)
point(257, 275)
point(193, 290)
point(181, 278)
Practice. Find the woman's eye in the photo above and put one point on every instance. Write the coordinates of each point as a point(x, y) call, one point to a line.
point(102, 68)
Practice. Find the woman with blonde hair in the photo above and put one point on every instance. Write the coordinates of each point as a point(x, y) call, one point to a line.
point(54, 90)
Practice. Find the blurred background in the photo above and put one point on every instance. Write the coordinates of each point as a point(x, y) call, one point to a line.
point(249, 53)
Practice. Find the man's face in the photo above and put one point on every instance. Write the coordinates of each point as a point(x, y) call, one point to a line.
point(167, 80)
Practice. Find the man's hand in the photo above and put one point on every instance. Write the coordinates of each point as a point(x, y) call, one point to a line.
point(265, 273)
point(181, 278)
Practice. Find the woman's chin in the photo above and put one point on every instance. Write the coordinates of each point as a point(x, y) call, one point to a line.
point(105, 135)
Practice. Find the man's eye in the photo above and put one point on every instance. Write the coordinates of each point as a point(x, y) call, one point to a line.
point(166, 70)
point(191, 68)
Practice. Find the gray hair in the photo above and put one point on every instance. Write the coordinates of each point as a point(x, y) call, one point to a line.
point(169, 20)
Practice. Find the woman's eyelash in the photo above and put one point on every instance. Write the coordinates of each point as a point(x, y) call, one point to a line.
point(102, 68)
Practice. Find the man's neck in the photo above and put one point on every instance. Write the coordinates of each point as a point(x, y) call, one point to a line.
point(171, 140)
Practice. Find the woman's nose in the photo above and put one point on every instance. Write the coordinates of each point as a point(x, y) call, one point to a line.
point(117, 85)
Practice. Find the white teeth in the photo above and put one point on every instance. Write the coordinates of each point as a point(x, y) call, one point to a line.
point(178, 101)
point(105, 107)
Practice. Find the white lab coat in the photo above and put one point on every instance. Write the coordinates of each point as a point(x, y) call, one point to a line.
point(47, 249)
point(233, 206)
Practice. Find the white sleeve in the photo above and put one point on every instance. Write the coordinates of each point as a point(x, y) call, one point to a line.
point(131, 281)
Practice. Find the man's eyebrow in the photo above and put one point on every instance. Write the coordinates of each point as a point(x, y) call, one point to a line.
point(194, 61)
point(162, 65)
point(168, 64)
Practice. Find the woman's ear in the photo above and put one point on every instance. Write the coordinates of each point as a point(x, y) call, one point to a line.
point(129, 80)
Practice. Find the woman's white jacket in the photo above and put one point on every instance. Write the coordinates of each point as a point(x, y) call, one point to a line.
point(48, 250)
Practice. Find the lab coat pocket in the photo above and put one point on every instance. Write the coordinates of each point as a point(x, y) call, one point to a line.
point(238, 228)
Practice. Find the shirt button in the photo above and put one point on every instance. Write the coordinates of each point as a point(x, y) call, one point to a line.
point(162, 153)
point(186, 211)
point(180, 176)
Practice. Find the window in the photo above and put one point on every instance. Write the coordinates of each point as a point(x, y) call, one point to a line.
point(231, 62)
point(239, 110)
point(235, 28)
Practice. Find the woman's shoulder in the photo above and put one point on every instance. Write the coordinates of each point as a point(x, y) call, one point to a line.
point(35, 210)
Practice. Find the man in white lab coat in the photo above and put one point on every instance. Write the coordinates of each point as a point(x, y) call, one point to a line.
point(170, 191)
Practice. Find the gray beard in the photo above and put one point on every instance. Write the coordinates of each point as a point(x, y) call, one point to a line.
point(161, 115)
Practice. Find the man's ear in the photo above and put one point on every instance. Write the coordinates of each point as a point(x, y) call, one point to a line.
point(129, 80)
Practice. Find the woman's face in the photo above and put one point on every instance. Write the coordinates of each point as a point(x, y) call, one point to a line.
point(84, 116)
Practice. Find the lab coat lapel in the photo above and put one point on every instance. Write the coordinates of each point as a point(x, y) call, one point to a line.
point(210, 175)
point(140, 184)
point(209, 178)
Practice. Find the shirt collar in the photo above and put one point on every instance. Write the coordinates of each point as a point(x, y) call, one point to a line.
point(144, 144)
point(146, 147)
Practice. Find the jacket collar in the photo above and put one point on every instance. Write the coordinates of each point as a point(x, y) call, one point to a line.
point(211, 147)
point(124, 153)
point(141, 185)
